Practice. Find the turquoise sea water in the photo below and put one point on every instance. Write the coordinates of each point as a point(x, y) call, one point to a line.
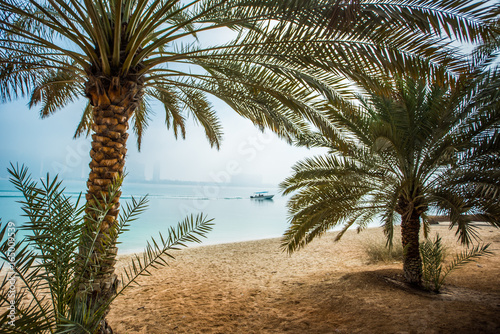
point(236, 216)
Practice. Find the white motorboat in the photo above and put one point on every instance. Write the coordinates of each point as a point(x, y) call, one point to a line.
point(261, 195)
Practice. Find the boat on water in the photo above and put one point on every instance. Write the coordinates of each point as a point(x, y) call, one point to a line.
point(261, 195)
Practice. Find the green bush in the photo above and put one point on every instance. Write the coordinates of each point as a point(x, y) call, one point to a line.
point(47, 262)
point(433, 255)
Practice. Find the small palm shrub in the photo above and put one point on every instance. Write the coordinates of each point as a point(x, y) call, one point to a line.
point(47, 264)
point(433, 255)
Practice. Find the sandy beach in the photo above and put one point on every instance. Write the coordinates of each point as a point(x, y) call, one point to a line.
point(328, 287)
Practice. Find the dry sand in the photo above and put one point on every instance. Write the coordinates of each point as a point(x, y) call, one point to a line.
point(328, 287)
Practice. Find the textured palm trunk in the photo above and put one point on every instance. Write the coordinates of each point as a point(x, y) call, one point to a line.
point(412, 262)
point(114, 102)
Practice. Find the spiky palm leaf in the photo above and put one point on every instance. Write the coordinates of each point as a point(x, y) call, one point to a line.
point(143, 39)
point(433, 257)
point(47, 261)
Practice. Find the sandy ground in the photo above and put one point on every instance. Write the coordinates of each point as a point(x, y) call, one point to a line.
point(328, 287)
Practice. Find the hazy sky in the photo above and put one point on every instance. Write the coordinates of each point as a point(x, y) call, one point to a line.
point(246, 154)
point(47, 145)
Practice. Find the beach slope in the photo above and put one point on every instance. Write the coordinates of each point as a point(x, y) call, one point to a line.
point(328, 287)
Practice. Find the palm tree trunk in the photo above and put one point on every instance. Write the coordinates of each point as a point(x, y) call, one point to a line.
point(412, 262)
point(113, 104)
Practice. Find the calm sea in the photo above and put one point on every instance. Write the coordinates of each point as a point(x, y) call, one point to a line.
point(236, 216)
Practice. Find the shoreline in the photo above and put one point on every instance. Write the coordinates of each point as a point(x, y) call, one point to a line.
point(128, 253)
point(196, 245)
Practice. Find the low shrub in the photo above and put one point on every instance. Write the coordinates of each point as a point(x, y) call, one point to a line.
point(378, 251)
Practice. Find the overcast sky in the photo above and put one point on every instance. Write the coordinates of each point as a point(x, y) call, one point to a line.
point(47, 145)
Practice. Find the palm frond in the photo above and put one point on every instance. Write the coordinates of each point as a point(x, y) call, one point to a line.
point(173, 114)
point(86, 122)
point(56, 260)
point(189, 230)
point(201, 110)
point(140, 120)
point(433, 257)
point(55, 90)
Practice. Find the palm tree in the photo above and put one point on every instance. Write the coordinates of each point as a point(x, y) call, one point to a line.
point(290, 58)
point(407, 148)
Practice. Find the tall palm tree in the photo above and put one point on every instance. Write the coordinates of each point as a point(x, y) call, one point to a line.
point(407, 148)
point(290, 58)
